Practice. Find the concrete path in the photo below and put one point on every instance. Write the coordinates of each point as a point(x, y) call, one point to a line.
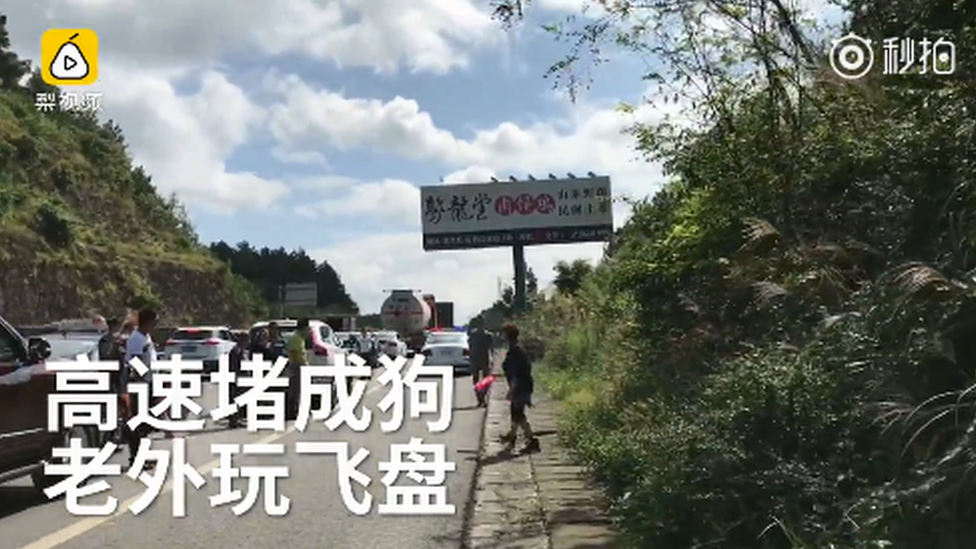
point(533, 501)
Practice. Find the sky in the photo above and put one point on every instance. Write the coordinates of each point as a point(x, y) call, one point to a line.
point(312, 123)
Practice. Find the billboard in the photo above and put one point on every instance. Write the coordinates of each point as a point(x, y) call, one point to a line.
point(486, 215)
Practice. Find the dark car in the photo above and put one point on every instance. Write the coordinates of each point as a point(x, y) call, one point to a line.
point(25, 383)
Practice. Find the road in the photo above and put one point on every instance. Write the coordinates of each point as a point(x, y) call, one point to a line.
point(317, 517)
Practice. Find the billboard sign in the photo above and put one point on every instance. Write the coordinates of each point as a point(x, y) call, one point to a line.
point(486, 215)
point(301, 295)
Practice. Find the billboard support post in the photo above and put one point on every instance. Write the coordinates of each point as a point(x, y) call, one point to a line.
point(518, 260)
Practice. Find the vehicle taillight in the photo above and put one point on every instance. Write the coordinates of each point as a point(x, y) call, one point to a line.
point(170, 342)
point(212, 341)
point(321, 351)
point(465, 352)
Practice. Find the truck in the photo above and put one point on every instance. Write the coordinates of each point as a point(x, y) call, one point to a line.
point(444, 313)
point(407, 313)
point(431, 302)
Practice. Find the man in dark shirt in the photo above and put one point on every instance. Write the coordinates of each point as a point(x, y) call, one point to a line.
point(518, 372)
point(479, 345)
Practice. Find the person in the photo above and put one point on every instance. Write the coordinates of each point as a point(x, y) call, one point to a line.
point(479, 346)
point(367, 347)
point(275, 344)
point(259, 342)
point(139, 344)
point(111, 347)
point(518, 372)
point(237, 357)
point(106, 341)
point(297, 358)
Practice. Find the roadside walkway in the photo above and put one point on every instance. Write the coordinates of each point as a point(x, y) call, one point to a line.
point(537, 501)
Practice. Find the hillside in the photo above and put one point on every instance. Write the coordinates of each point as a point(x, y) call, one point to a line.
point(85, 231)
point(777, 349)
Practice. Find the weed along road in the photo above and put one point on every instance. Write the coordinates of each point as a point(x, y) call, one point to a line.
point(316, 516)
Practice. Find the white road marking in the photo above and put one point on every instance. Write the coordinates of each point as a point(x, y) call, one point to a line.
point(76, 529)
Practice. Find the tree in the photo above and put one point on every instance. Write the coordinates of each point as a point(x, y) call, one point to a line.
point(570, 276)
point(12, 68)
point(270, 269)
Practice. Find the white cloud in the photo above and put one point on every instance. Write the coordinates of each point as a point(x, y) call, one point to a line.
point(184, 142)
point(590, 138)
point(468, 278)
point(309, 158)
point(176, 35)
point(392, 202)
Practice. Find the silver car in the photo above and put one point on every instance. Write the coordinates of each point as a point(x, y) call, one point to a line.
point(448, 349)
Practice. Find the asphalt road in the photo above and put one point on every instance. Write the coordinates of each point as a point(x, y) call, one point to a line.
point(317, 517)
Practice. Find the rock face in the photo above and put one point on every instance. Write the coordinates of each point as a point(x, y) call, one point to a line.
point(36, 291)
point(83, 232)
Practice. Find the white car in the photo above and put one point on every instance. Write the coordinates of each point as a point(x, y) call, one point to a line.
point(391, 344)
point(321, 348)
point(204, 343)
point(448, 349)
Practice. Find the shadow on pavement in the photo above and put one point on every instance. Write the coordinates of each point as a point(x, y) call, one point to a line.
point(467, 408)
point(500, 457)
point(15, 499)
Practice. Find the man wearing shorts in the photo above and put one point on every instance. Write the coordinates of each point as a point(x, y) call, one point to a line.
point(518, 372)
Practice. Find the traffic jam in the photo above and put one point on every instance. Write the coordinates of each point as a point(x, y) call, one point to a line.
point(412, 323)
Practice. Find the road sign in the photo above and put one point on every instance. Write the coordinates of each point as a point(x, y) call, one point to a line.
point(512, 213)
point(301, 294)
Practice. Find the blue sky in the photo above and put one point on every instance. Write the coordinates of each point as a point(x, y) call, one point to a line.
point(311, 123)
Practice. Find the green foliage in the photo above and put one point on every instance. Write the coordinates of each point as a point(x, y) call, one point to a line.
point(503, 308)
point(268, 270)
point(777, 350)
point(77, 218)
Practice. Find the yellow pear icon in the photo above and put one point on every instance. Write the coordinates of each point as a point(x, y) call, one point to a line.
point(70, 62)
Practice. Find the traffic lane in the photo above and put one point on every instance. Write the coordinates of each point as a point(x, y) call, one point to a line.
point(27, 515)
point(318, 514)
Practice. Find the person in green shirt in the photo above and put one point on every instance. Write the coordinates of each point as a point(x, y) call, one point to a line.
point(297, 357)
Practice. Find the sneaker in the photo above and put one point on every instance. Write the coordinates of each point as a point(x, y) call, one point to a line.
point(533, 446)
point(507, 439)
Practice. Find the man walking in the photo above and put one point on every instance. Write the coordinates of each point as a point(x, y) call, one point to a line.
point(297, 359)
point(479, 346)
point(518, 372)
point(139, 345)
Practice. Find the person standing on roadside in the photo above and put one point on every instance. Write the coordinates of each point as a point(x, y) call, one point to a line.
point(479, 346)
point(139, 345)
point(518, 372)
point(297, 358)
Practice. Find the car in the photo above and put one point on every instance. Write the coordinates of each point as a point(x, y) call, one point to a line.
point(25, 383)
point(391, 344)
point(448, 349)
point(204, 343)
point(68, 345)
point(322, 347)
point(347, 340)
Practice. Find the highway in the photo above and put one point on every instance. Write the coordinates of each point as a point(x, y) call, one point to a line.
point(317, 517)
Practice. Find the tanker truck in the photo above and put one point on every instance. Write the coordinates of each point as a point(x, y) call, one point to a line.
point(407, 313)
